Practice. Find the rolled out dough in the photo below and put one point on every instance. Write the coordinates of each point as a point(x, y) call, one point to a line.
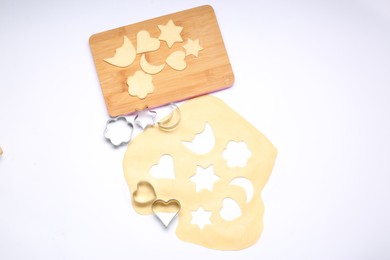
point(148, 147)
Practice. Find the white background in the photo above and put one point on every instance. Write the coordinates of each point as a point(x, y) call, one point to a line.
point(313, 76)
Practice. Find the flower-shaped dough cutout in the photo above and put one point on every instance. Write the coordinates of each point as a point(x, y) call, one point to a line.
point(140, 84)
point(236, 154)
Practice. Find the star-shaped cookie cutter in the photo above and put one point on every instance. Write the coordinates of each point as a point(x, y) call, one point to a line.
point(145, 118)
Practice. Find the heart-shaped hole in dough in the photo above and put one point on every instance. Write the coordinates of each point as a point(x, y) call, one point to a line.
point(230, 209)
point(164, 169)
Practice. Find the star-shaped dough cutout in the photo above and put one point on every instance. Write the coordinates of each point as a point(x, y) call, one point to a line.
point(170, 33)
point(192, 47)
point(201, 217)
point(204, 178)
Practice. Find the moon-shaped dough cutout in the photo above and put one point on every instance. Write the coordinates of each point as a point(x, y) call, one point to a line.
point(148, 68)
point(246, 185)
point(124, 55)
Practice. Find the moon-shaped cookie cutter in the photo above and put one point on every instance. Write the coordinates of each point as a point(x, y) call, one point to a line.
point(172, 121)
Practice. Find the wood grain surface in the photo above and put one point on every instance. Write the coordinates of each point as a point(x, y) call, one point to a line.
point(209, 72)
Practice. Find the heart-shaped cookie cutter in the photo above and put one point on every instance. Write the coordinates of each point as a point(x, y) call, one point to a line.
point(145, 196)
point(166, 211)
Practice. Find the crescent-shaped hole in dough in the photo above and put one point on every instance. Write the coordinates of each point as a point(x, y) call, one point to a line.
point(246, 185)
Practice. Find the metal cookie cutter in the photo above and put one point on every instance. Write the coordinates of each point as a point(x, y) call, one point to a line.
point(172, 121)
point(114, 139)
point(145, 197)
point(145, 118)
point(166, 211)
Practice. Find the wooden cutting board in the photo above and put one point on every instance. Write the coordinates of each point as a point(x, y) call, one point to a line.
point(208, 72)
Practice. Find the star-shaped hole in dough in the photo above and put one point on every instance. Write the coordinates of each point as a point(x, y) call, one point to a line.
point(170, 33)
point(204, 178)
point(201, 217)
point(192, 47)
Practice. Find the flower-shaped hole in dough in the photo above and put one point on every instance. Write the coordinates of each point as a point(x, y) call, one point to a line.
point(140, 84)
point(236, 154)
point(227, 224)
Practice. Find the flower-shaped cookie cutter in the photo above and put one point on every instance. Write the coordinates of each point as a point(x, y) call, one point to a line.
point(143, 119)
point(112, 139)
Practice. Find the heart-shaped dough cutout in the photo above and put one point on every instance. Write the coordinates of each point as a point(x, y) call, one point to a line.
point(146, 43)
point(166, 211)
point(177, 60)
point(144, 194)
